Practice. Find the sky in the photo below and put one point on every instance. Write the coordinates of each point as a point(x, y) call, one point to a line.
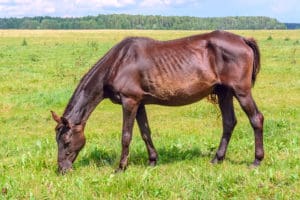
point(283, 10)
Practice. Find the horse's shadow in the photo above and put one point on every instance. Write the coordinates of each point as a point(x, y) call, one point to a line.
point(140, 157)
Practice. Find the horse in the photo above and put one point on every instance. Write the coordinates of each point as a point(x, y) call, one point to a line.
point(140, 71)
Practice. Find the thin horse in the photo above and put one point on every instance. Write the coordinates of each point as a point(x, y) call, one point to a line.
point(140, 71)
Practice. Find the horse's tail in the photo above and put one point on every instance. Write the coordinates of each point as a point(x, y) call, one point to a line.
point(256, 62)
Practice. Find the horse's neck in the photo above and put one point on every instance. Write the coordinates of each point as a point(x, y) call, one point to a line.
point(86, 97)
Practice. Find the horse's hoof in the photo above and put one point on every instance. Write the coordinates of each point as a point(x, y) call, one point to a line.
point(215, 160)
point(255, 164)
point(152, 163)
point(120, 169)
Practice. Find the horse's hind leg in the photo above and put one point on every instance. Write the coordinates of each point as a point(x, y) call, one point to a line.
point(225, 98)
point(256, 119)
point(142, 121)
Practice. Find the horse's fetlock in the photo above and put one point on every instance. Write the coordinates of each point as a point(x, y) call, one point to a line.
point(259, 155)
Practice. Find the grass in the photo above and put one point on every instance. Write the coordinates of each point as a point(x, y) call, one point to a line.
point(39, 71)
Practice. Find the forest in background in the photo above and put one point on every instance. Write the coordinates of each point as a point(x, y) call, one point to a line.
point(156, 22)
point(292, 25)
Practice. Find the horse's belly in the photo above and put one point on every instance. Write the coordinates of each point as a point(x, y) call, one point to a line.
point(179, 92)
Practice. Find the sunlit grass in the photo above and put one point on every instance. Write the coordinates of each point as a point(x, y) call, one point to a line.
point(41, 76)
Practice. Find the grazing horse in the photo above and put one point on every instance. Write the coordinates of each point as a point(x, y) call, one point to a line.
point(140, 71)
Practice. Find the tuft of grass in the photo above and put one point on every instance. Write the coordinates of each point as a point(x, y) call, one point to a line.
point(34, 58)
point(24, 42)
point(93, 45)
point(269, 37)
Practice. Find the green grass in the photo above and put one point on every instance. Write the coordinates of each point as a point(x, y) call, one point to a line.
point(39, 71)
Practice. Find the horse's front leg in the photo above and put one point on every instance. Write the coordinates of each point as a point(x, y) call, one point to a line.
point(130, 107)
point(142, 120)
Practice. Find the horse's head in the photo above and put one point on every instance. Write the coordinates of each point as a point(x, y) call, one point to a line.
point(70, 140)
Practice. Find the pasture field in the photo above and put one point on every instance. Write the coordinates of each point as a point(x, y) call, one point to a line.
point(39, 71)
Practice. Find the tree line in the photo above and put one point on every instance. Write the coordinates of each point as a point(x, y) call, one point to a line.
point(292, 25)
point(124, 21)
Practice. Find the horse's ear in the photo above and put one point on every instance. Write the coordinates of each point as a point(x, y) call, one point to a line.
point(65, 122)
point(55, 117)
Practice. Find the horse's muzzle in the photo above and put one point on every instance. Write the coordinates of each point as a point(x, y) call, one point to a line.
point(64, 167)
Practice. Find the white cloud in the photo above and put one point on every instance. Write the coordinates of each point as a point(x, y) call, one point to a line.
point(281, 6)
point(151, 3)
point(20, 8)
point(104, 3)
point(22, 2)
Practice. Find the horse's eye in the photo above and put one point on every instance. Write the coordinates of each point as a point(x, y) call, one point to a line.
point(59, 129)
point(62, 130)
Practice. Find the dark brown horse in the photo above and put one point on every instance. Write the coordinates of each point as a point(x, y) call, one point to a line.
point(140, 71)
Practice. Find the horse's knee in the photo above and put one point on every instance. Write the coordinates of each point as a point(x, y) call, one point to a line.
point(145, 137)
point(126, 138)
point(229, 124)
point(257, 121)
